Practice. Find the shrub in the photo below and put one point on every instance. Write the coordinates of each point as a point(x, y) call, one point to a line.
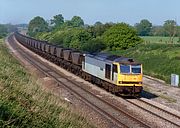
point(94, 45)
point(121, 36)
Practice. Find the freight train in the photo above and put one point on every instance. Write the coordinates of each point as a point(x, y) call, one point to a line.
point(116, 74)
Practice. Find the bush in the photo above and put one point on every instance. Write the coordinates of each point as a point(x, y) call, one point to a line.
point(94, 45)
point(121, 36)
point(73, 37)
point(178, 40)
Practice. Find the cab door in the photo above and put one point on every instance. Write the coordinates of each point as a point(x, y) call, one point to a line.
point(115, 73)
point(108, 71)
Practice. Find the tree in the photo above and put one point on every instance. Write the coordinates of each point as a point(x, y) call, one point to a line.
point(71, 37)
point(94, 45)
point(3, 31)
point(57, 21)
point(178, 32)
point(157, 31)
point(98, 29)
point(67, 24)
point(37, 24)
point(144, 27)
point(98, 23)
point(170, 28)
point(79, 37)
point(76, 21)
point(12, 28)
point(121, 36)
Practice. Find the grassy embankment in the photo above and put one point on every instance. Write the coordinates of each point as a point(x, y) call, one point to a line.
point(159, 59)
point(23, 103)
point(159, 39)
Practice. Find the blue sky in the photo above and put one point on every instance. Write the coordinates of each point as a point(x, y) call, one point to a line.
point(129, 11)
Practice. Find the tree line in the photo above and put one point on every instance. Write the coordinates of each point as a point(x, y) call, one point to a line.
point(3, 31)
point(8, 28)
point(74, 33)
point(168, 29)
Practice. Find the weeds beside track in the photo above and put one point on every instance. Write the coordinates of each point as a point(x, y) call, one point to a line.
point(23, 103)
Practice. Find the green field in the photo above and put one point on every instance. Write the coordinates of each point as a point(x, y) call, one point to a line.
point(24, 104)
point(158, 39)
point(159, 60)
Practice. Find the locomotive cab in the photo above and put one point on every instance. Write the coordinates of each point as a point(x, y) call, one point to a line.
point(128, 76)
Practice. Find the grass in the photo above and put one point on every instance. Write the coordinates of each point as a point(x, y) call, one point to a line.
point(158, 39)
point(23, 103)
point(169, 99)
point(145, 88)
point(159, 60)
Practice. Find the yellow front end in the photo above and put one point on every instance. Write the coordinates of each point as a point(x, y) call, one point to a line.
point(129, 78)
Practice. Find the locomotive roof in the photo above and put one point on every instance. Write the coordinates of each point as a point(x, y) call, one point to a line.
point(113, 58)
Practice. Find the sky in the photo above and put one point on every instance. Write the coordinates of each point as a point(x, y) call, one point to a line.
point(128, 11)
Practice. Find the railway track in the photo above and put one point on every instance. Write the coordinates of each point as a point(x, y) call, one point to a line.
point(114, 114)
point(156, 111)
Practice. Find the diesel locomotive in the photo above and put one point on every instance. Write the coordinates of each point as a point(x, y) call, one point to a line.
point(116, 74)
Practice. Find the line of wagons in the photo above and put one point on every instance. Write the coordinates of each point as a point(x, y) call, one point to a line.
point(116, 74)
point(64, 57)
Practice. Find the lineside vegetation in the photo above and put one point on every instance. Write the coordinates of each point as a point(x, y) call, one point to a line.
point(23, 103)
point(75, 34)
point(159, 60)
point(159, 39)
